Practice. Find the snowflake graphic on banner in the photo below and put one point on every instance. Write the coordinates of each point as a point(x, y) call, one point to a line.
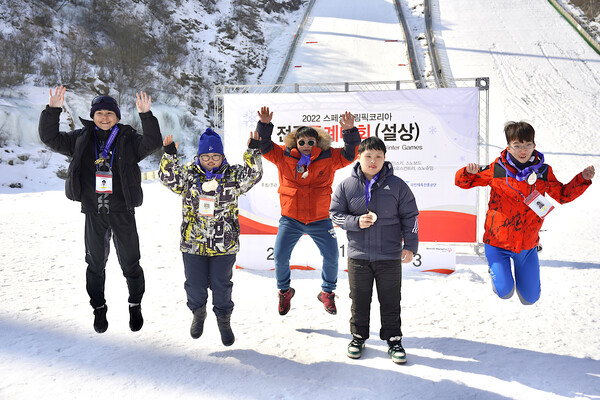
point(249, 119)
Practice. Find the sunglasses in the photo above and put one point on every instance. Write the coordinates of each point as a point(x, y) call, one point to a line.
point(104, 99)
point(215, 157)
point(302, 142)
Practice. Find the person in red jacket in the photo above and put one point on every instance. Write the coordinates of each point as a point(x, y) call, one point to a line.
point(519, 179)
point(306, 164)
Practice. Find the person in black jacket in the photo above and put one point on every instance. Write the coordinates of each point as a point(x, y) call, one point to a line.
point(105, 177)
point(379, 212)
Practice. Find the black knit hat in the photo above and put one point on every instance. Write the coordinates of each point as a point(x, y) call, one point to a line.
point(105, 103)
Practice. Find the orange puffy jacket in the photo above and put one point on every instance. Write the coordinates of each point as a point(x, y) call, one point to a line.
point(510, 224)
point(307, 199)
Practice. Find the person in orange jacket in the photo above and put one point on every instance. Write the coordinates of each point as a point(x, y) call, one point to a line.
point(519, 179)
point(306, 164)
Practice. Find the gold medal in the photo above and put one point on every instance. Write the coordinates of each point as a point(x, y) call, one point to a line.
point(99, 161)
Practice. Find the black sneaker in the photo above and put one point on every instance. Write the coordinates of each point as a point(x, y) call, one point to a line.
point(225, 328)
point(356, 347)
point(396, 350)
point(198, 323)
point(136, 321)
point(100, 322)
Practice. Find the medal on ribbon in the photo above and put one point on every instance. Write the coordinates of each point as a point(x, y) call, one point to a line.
point(532, 178)
point(210, 186)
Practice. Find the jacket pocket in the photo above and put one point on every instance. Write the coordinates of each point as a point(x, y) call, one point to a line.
point(288, 196)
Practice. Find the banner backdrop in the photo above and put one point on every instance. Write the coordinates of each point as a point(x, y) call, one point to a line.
point(429, 134)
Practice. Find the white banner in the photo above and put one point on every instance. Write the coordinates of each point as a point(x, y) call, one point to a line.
point(429, 134)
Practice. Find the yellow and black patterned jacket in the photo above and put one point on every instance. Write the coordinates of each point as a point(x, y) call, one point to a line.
point(211, 235)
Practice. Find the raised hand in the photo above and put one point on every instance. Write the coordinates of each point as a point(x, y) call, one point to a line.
point(588, 173)
point(472, 168)
point(58, 97)
point(168, 140)
point(264, 115)
point(143, 102)
point(253, 135)
point(347, 121)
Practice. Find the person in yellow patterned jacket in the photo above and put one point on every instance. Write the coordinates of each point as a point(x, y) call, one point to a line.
point(210, 188)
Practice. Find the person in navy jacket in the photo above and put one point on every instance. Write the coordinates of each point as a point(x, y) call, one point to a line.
point(379, 212)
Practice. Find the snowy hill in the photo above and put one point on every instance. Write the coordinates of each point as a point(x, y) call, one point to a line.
point(462, 342)
point(176, 51)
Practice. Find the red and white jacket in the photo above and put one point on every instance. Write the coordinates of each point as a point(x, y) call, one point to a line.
point(510, 224)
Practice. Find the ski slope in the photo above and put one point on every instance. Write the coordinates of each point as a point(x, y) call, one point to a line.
point(462, 342)
point(350, 41)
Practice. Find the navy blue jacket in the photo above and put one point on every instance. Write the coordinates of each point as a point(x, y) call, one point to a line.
point(396, 209)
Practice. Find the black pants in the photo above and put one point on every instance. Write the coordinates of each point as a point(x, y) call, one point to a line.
point(387, 275)
point(98, 230)
point(202, 272)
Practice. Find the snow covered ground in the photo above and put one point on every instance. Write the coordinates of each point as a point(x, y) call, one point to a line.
point(462, 341)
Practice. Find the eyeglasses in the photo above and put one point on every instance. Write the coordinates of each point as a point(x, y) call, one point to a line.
point(519, 147)
point(302, 142)
point(214, 157)
point(104, 99)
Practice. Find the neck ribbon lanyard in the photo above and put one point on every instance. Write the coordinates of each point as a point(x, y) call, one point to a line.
point(304, 160)
point(528, 174)
point(525, 174)
point(109, 142)
point(368, 186)
point(211, 175)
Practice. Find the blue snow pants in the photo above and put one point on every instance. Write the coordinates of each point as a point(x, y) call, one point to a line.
point(321, 232)
point(202, 272)
point(526, 276)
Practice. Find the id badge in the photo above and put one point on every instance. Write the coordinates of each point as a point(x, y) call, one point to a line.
point(539, 204)
point(104, 182)
point(207, 206)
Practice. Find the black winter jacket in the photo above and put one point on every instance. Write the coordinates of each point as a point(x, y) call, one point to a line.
point(130, 146)
point(396, 209)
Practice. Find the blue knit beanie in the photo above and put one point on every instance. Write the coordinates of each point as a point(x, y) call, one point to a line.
point(105, 103)
point(210, 142)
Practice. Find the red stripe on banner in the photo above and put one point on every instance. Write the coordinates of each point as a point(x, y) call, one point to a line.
point(447, 226)
point(440, 271)
point(391, 40)
point(434, 226)
point(297, 66)
point(250, 227)
point(238, 267)
point(311, 42)
point(302, 267)
point(402, 65)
